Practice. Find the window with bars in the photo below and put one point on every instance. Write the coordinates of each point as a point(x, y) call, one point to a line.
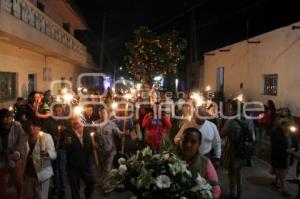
point(270, 84)
point(8, 86)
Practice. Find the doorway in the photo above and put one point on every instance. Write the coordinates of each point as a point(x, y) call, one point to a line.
point(220, 84)
point(31, 83)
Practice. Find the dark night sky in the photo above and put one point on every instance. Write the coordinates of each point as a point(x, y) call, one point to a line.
point(220, 22)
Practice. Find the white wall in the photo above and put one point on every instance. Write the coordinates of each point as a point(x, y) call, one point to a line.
point(24, 62)
point(278, 53)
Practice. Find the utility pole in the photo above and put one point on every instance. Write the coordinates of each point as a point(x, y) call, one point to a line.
point(102, 41)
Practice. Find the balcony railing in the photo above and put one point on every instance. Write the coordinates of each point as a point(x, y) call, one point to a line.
point(31, 15)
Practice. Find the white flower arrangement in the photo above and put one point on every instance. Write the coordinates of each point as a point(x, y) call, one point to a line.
point(147, 176)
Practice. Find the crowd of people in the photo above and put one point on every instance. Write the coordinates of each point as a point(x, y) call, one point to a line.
point(40, 148)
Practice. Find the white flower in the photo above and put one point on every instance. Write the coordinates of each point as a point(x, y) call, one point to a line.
point(163, 182)
point(139, 184)
point(202, 186)
point(156, 156)
point(121, 161)
point(183, 168)
point(174, 169)
point(189, 173)
point(114, 172)
point(200, 180)
point(147, 152)
point(122, 169)
point(165, 156)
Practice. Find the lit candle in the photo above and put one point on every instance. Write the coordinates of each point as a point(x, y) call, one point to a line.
point(114, 105)
point(78, 110)
point(42, 141)
point(240, 97)
point(58, 136)
point(124, 130)
point(293, 129)
point(58, 99)
point(139, 86)
point(64, 90)
point(68, 97)
point(94, 149)
point(208, 88)
point(85, 90)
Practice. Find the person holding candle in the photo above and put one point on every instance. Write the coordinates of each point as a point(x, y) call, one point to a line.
point(234, 158)
point(11, 155)
point(87, 117)
point(55, 127)
point(211, 141)
point(38, 168)
point(42, 111)
point(154, 128)
point(106, 130)
point(283, 145)
point(125, 124)
point(184, 113)
point(77, 143)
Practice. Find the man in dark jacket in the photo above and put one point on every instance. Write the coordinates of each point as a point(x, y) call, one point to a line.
point(283, 146)
point(11, 155)
point(55, 127)
point(76, 141)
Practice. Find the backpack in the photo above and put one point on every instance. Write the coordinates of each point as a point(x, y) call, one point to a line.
point(245, 147)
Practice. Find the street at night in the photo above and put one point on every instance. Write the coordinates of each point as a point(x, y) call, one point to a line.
point(182, 99)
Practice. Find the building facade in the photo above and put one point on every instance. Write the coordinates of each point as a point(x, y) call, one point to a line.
point(262, 68)
point(37, 46)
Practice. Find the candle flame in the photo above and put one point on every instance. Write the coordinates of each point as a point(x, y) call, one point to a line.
point(261, 115)
point(208, 88)
point(78, 110)
point(92, 134)
point(139, 86)
point(198, 99)
point(58, 99)
point(240, 97)
point(84, 90)
point(132, 90)
point(64, 90)
point(11, 108)
point(127, 96)
point(293, 129)
point(68, 97)
point(114, 105)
